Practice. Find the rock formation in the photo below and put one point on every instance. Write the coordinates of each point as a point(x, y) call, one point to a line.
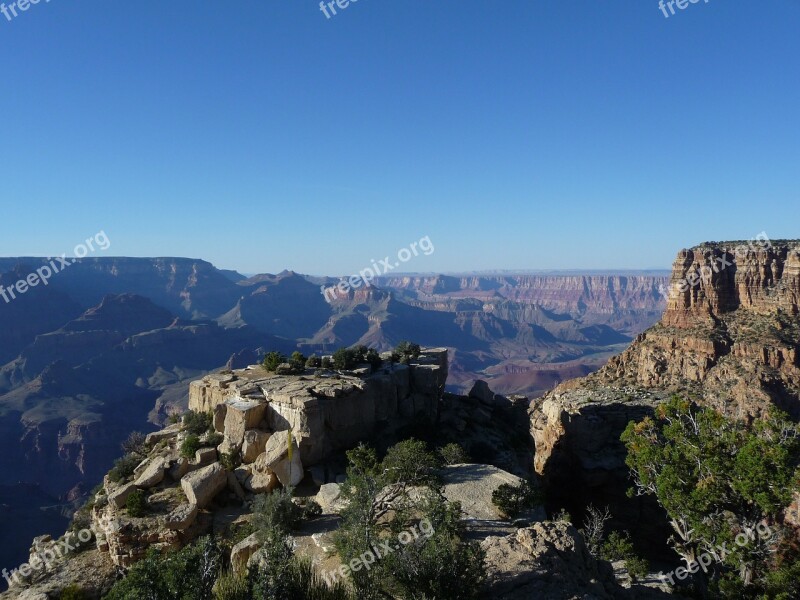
point(729, 339)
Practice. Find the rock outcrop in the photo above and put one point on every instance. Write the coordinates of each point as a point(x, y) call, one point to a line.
point(729, 339)
point(325, 413)
point(547, 560)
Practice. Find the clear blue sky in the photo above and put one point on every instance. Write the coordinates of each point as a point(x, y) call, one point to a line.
point(259, 135)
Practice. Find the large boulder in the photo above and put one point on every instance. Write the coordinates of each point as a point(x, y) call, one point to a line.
point(181, 518)
point(242, 552)
point(165, 434)
point(119, 497)
point(261, 482)
point(275, 458)
point(330, 498)
point(240, 415)
point(255, 442)
point(548, 560)
point(203, 485)
point(473, 486)
point(153, 473)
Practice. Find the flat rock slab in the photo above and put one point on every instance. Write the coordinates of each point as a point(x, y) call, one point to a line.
point(473, 486)
point(203, 485)
point(153, 474)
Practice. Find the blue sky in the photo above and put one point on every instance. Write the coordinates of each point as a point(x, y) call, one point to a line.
point(259, 135)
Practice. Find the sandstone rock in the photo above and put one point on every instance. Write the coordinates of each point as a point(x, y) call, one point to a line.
point(167, 433)
point(203, 485)
point(473, 486)
point(153, 474)
point(326, 414)
point(275, 458)
point(241, 552)
point(254, 444)
point(182, 517)
point(220, 412)
point(179, 468)
point(204, 457)
point(262, 482)
point(235, 486)
point(241, 415)
point(330, 499)
point(547, 560)
point(119, 497)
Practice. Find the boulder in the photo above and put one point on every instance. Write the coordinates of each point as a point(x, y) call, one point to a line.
point(167, 433)
point(153, 474)
point(204, 457)
point(547, 560)
point(330, 498)
point(179, 468)
point(220, 410)
point(235, 486)
point(473, 486)
point(240, 415)
point(275, 458)
point(241, 552)
point(203, 485)
point(254, 443)
point(181, 518)
point(119, 497)
point(262, 482)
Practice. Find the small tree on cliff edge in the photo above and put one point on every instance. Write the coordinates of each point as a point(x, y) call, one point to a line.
point(718, 478)
point(273, 359)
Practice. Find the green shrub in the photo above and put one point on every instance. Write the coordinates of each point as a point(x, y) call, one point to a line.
point(453, 454)
point(230, 460)
point(123, 467)
point(276, 512)
point(374, 359)
point(514, 499)
point(186, 574)
point(407, 350)
point(190, 446)
point(312, 510)
point(714, 475)
point(618, 546)
point(214, 439)
point(313, 362)
point(232, 586)
point(136, 504)
point(72, 592)
point(198, 423)
point(410, 462)
point(273, 359)
point(298, 361)
point(344, 359)
point(326, 362)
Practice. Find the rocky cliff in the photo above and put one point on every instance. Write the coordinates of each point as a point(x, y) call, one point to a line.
point(729, 339)
point(326, 413)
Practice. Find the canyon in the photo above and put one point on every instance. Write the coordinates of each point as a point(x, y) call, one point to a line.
point(111, 345)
